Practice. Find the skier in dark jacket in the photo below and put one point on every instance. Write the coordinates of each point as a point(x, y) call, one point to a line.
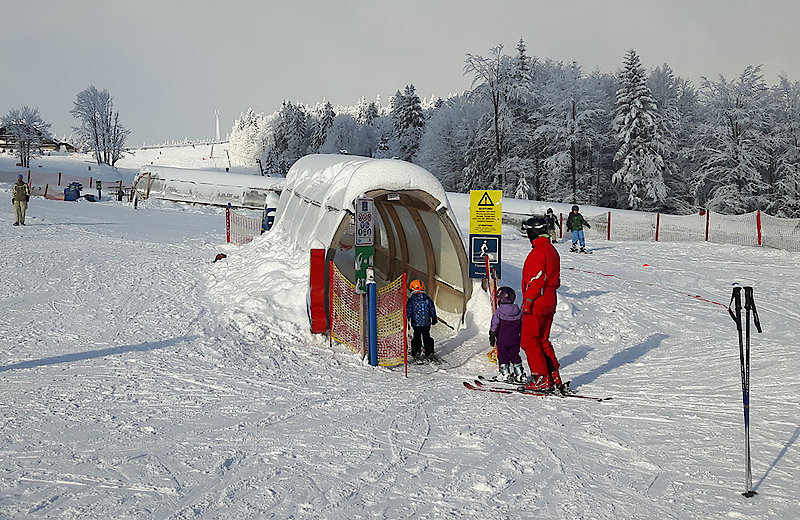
point(550, 218)
point(20, 194)
point(505, 333)
point(575, 223)
point(421, 314)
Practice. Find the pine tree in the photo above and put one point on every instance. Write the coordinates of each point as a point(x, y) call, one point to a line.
point(642, 166)
point(324, 120)
point(408, 122)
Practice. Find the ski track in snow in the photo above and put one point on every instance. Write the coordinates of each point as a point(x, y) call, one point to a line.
point(141, 381)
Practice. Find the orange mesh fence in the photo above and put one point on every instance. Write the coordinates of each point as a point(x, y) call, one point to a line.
point(345, 309)
point(346, 318)
point(241, 228)
point(392, 337)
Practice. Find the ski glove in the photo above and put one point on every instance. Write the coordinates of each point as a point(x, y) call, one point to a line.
point(527, 306)
point(492, 338)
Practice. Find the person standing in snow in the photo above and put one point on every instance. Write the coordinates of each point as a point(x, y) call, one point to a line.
point(505, 333)
point(421, 314)
point(541, 276)
point(551, 225)
point(575, 223)
point(20, 194)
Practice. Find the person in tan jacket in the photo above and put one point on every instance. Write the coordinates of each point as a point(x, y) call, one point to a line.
point(20, 194)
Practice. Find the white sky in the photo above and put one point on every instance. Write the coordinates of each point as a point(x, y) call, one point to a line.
point(170, 63)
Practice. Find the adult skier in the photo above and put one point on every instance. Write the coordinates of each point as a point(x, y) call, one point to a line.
point(575, 223)
point(20, 194)
point(541, 276)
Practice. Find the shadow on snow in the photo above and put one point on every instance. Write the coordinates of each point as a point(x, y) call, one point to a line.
point(624, 357)
point(92, 354)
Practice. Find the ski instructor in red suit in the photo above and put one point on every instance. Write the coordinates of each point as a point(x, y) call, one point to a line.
point(540, 279)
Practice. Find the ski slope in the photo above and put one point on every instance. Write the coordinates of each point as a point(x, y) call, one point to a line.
point(141, 380)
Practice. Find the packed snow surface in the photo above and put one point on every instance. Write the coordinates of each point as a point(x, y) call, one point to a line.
point(141, 380)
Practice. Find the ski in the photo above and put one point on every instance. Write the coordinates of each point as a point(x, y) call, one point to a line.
point(499, 386)
point(482, 388)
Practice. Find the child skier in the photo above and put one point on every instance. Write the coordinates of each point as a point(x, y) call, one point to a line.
point(421, 314)
point(505, 333)
point(575, 223)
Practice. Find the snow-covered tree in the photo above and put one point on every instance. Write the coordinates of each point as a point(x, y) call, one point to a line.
point(493, 77)
point(290, 136)
point(642, 166)
point(246, 142)
point(346, 135)
point(408, 121)
point(784, 187)
point(567, 128)
point(27, 130)
point(678, 120)
point(441, 149)
point(732, 151)
point(100, 128)
point(324, 116)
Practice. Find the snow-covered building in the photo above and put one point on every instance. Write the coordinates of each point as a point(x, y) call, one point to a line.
point(204, 187)
point(415, 227)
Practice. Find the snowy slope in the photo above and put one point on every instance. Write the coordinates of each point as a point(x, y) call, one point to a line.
point(140, 380)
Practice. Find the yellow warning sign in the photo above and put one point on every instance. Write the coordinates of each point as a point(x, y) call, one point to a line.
point(486, 212)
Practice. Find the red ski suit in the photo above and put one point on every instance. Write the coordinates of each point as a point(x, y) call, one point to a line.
point(541, 276)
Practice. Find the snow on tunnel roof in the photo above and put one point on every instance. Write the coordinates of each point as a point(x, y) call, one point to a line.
point(319, 189)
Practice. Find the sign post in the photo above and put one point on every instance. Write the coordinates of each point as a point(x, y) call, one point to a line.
point(485, 231)
point(365, 241)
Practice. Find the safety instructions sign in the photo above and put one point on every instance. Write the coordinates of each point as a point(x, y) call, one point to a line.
point(486, 212)
point(485, 231)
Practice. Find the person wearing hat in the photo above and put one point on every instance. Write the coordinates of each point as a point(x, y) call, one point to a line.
point(551, 225)
point(421, 313)
point(20, 193)
point(541, 276)
point(575, 224)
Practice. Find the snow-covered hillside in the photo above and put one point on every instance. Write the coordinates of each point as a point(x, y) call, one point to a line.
point(140, 379)
point(211, 157)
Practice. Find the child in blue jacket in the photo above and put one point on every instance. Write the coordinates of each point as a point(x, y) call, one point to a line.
point(421, 314)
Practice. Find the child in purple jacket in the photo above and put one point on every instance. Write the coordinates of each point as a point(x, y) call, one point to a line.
point(505, 333)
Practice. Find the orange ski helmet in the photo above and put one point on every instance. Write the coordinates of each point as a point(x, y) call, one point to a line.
point(417, 285)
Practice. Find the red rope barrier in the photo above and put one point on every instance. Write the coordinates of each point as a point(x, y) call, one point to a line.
point(695, 296)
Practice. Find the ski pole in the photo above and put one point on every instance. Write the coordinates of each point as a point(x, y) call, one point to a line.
point(744, 362)
point(440, 320)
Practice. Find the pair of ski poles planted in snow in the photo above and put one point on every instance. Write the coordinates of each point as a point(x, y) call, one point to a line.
point(744, 360)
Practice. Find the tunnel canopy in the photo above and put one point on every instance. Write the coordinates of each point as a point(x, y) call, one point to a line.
point(415, 229)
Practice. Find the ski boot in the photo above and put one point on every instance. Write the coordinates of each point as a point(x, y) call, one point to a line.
point(518, 373)
point(540, 383)
point(583, 249)
point(574, 248)
point(505, 374)
point(558, 385)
